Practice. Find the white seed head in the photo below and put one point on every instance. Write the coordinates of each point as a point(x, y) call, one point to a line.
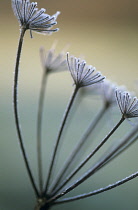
point(82, 74)
point(52, 62)
point(108, 92)
point(31, 18)
point(128, 105)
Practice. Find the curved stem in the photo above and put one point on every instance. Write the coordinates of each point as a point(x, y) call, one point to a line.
point(95, 192)
point(79, 145)
point(89, 172)
point(59, 136)
point(39, 129)
point(16, 115)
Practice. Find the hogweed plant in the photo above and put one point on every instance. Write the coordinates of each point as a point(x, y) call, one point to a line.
point(50, 191)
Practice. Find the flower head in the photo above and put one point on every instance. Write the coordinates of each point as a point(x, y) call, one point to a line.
point(31, 18)
point(82, 74)
point(128, 105)
point(52, 62)
point(108, 91)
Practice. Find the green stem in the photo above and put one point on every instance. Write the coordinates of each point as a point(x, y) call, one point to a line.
point(59, 136)
point(16, 115)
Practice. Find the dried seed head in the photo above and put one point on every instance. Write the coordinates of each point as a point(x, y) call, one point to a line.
point(108, 91)
point(82, 74)
point(31, 18)
point(128, 105)
point(52, 62)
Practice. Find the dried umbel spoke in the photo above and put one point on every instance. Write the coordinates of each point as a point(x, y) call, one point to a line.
point(82, 74)
point(128, 105)
point(114, 151)
point(31, 18)
point(95, 192)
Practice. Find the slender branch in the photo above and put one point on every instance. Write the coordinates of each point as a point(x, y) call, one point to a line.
point(89, 172)
point(39, 129)
point(123, 147)
point(79, 145)
point(59, 136)
point(124, 144)
point(16, 115)
point(95, 192)
point(116, 151)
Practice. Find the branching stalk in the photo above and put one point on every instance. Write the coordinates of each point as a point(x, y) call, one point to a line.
point(89, 172)
point(124, 144)
point(79, 145)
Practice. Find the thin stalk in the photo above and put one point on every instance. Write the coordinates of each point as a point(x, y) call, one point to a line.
point(16, 115)
point(123, 147)
point(95, 192)
point(89, 172)
point(59, 135)
point(124, 144)
point(39, 129)
point(116, 151)
point(79, 145)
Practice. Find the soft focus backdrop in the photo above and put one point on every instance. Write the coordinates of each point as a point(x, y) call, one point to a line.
point(105, 33)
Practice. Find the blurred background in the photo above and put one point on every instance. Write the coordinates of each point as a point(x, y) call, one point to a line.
point(105, 33)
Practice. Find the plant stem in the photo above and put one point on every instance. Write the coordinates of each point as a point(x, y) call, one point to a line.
point(89, 172)
point(39, 129)
point(79, 145)
point(59, 136)
point(16, 115)
point(95, 192)
point(124, 144)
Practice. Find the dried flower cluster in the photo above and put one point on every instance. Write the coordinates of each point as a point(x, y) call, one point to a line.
point(33, 19)
point(128, 105)
point(52, 62)
point(82, 74)
point(52, 190)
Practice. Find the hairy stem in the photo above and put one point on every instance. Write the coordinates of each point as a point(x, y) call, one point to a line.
point(79, 145)
point(16, 115)
point(39, 129)
point(59, 135)
point(89, 172)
